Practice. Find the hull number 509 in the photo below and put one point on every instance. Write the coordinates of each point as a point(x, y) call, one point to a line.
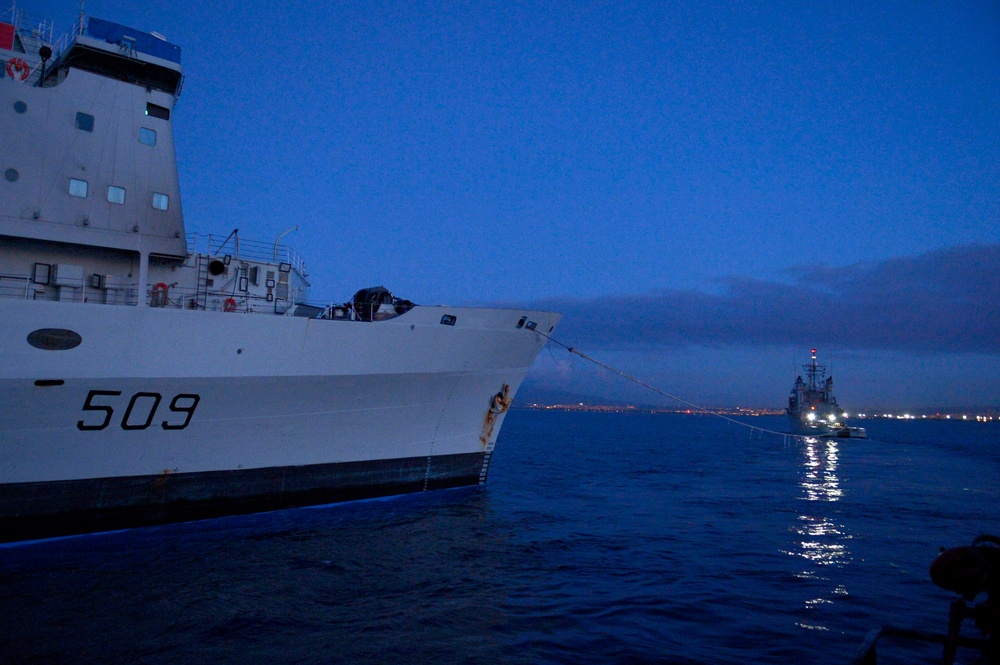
point(140, 412)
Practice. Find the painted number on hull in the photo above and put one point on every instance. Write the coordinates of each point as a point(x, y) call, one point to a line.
point(141, 410)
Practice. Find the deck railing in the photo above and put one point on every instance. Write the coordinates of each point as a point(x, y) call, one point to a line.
point(250, 250)
point(23, 287)
point(175, 297)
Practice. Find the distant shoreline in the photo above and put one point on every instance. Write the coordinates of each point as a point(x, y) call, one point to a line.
point(971, 415)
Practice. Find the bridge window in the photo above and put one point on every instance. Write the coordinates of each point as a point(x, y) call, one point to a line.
point(116, 195)
point(84, 121)
point(160, 201)
point(78, 188)
point(157, 111)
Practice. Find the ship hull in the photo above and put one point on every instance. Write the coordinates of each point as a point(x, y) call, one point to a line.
point(58, 508)
point(159, 416)
point(823, 431)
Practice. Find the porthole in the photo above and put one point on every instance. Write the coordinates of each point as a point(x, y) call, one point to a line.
point(54, 339)
point(20, 106)
point(11, 175)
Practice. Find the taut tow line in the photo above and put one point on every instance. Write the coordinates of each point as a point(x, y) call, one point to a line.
point(753, 429)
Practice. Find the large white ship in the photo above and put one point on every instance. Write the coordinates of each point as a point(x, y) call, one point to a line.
point(812, 407)
point(148, 375)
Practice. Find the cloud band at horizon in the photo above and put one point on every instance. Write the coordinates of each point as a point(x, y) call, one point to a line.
point(908, 331)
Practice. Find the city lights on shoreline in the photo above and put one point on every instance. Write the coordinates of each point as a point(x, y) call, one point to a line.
point(981, 416)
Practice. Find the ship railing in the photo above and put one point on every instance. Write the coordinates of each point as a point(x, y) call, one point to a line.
point(34, 33)
point(245, 250)
point(15, 286)
point(28, 25)
point(97, 290)
point(170, 296)
point(78, 28)
point(24, 287)
point(868, 653)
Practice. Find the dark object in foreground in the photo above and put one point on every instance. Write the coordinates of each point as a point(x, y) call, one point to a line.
point(968, 571)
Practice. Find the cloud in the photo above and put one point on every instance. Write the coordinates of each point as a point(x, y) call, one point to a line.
point(945, 300)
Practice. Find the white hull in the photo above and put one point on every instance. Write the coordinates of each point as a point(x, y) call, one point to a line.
point(212, 392)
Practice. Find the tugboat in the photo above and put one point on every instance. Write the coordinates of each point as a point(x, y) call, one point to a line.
point(813, 410)
point(148, 375)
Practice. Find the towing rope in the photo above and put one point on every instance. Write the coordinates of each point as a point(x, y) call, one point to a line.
point(795, 438)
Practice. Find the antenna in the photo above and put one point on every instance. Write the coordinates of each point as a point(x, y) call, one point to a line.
point(815, 372)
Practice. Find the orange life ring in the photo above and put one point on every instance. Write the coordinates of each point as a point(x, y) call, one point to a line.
point(229, 306)
point(18, 68)
point(158, 296)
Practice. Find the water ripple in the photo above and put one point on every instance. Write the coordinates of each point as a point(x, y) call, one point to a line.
point(601, 538)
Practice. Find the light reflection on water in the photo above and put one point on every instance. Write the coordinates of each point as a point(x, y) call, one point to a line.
point(820, 540)
point(821, 482)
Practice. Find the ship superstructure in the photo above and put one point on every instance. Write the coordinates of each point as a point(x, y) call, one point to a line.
point(812, 407)
point(150, 375)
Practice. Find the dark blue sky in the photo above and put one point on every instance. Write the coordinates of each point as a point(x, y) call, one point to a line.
point(705, 190)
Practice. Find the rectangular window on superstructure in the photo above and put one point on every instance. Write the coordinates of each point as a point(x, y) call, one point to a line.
point(84, 121)
point(147, 136)
point(116, 195)
point(78, 188)
point(157, 111)
point(160, 201)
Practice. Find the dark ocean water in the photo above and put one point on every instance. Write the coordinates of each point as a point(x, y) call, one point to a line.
point(599, 538)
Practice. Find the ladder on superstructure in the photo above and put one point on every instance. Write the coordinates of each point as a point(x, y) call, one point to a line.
point(201, 292)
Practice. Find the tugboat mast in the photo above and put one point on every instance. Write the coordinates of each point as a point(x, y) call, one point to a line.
point(815, 372)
